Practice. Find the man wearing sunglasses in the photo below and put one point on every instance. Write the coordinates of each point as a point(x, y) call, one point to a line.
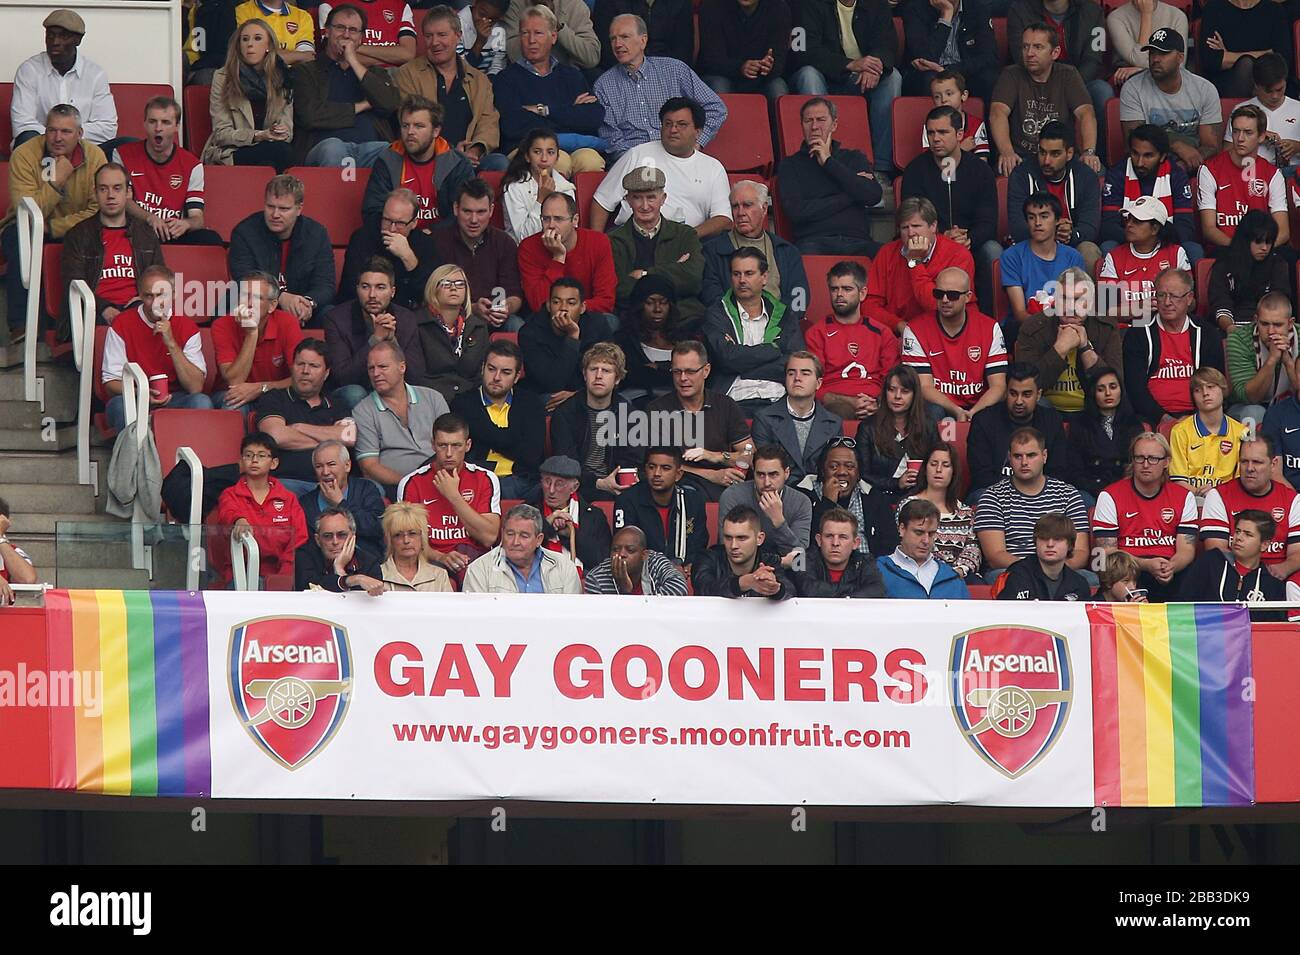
point(392, 235)
point(957, 352)
point(1159, 358)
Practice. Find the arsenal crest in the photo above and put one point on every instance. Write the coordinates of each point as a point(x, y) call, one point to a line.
point(853, 349)
point(974, 352)
point(291, 26)
point(1167, 515)
point(1225, 447)
point(1011, 693)
point(467, 494)
point(278, 504)
point(290, 683)
point(389, 16)
point(1258, 187)
point(1278, 514)
point(175, 181)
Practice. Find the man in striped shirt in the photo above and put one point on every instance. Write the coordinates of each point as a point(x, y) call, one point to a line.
point(1009, 509)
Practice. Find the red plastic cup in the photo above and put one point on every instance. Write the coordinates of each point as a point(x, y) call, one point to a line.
point(626, 477)
point(914, 466)
point(159, 387)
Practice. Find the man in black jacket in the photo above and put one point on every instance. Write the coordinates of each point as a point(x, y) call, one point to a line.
point(281, 241)
point(948, 35)
point(1059, 171)
point(743, 46)
point(1157, 384)
point(333, 561)
point(825, 67)
point(670, 513)
point(392, 235)
point(507, 425)
point(1223, 576)
point(337, 488)
point(741, 566)
point(552, 342)
point(834, 567)
point(573, 526)
point(590, 426)
point(964, 191)
point(988, 444)
point(826, 189)
point(1045, 575)
point(367, 318)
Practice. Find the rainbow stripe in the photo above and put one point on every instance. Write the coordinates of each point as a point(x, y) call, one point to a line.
point(1172, 715)
point(151, 737)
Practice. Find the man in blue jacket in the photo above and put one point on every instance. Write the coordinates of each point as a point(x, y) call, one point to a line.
point(911, 572)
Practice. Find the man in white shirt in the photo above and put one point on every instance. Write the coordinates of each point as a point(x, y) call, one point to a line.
point(1281, 144)
point(62, 75)
point(698, 191)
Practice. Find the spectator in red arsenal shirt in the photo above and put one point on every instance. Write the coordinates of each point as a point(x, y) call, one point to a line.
point(107, 251)
point(956, 351)
point(463, 499)
point(563, 250)
point(1132, 268)
point(258, 505)
point(1237, 180)
point(421, 161)
point(854, 351)
point(903, 273)
point(1150, 517)
point(1159, 358)
point(166, 179)
point(165, 345)
point(390, 32)
point(1255, 489)
point(255, 343)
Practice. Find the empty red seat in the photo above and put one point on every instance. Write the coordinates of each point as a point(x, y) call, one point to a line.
point(744, 143)
point(586, 184)
point(332, 200)
point(980, 591)
point(711, 518)
point(130, 99)
point(52, 277)
point(198, 118)
point(817, 266)
point(505, 337)
point(214, 435)
point(853, 131)
point(6, 123)
point(232, 193)
point(206, 266)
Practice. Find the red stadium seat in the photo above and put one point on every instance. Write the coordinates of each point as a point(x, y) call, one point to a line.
point(130, 99)
point(6, 122)
point(101, 332)
point(1004, 223)
point(1000, 39)
point(606, 508)
point(980, 591)
point(1227, 104)
point(902, 38)
point(4, 192)
point(909, 114)
point(711, 517)
point(819, 301)
point(1001, 304)
point(198, 118)
point(52, 278)
point(232, 193)
point(1166, 426)
point(214, 435)
point(735, 177)
point(586, 184)
point(205, 264)
point(853, 131)
point(493, 179)
point(1203, 268)
point(209, 360)
point(505, 337)
point(333, 201)
point(744, 144)
point(1116, 141)
point(960, 432)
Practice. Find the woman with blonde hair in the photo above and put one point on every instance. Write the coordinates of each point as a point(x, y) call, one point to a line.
point(406, 567)
point(251, 103)
point(453, 336)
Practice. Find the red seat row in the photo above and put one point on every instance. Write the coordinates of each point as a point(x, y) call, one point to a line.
point(128, 97)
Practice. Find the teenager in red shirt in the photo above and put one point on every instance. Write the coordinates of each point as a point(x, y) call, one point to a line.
point(1238, 180)
point(903, 272)
point(463, 500)
point(258, 504)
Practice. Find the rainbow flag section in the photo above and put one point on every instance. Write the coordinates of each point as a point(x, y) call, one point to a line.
point(150, 734)
point(1173, 720)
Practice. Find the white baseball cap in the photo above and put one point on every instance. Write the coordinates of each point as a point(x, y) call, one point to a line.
point(1148, 208)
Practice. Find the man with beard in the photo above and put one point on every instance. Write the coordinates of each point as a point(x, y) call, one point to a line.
point(425, 163)
point(855, 353)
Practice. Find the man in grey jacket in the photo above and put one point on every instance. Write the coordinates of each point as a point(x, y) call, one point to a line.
point(520, 565)
point(786, 513)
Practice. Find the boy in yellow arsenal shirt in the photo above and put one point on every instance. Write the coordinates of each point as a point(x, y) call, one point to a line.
point(1206, 445)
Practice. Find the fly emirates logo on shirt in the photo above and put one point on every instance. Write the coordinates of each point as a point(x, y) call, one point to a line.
point(122, 267)
point(1151, 537)
point(1175, 369)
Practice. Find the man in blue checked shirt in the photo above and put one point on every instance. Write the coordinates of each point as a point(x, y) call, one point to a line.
point(633, 91)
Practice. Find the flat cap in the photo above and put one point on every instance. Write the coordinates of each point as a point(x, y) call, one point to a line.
point(70, 20)
point(559, 465)
point(644, 179)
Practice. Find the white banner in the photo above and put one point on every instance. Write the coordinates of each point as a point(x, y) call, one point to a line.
point(649, 700)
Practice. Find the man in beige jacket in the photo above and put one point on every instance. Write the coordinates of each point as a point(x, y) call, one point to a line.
point(520, 565)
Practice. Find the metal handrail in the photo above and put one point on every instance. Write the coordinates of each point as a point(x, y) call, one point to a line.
point(81, 303)
point(194, 530)
point(31, 253)
point(135, 405)
point(245, 560)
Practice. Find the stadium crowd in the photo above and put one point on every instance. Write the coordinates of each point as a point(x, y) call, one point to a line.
point(1054, 380)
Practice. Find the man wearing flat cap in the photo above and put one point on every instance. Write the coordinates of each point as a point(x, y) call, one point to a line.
point(62, 75)
point(649, 244)
point(573, 526)
point(696, 184)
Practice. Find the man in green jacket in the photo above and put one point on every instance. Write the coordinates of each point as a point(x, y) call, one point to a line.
point(1262, 359)
point(649, 244)
point(750, 333)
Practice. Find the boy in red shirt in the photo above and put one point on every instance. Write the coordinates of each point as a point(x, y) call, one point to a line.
point(255, 344)
point(258, 504)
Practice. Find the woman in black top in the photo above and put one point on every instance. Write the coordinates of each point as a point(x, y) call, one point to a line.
point(1102, 433)
point(1247, 271)
point(900, 428)
point(1233, 33)
point(649, 328)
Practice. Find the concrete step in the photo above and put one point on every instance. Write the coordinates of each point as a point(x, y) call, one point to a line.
point(49, 467)
point(24, 415)
point(11, 356)
point(58, 438)
point(61, 386)
point(103, 578)
point(50, 498)
point(71, 552)
point(40, 523)
point(40, 548)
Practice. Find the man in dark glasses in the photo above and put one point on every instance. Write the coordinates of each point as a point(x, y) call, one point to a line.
point(957, 352)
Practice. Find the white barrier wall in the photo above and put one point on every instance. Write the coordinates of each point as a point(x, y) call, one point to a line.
point(136, 41)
